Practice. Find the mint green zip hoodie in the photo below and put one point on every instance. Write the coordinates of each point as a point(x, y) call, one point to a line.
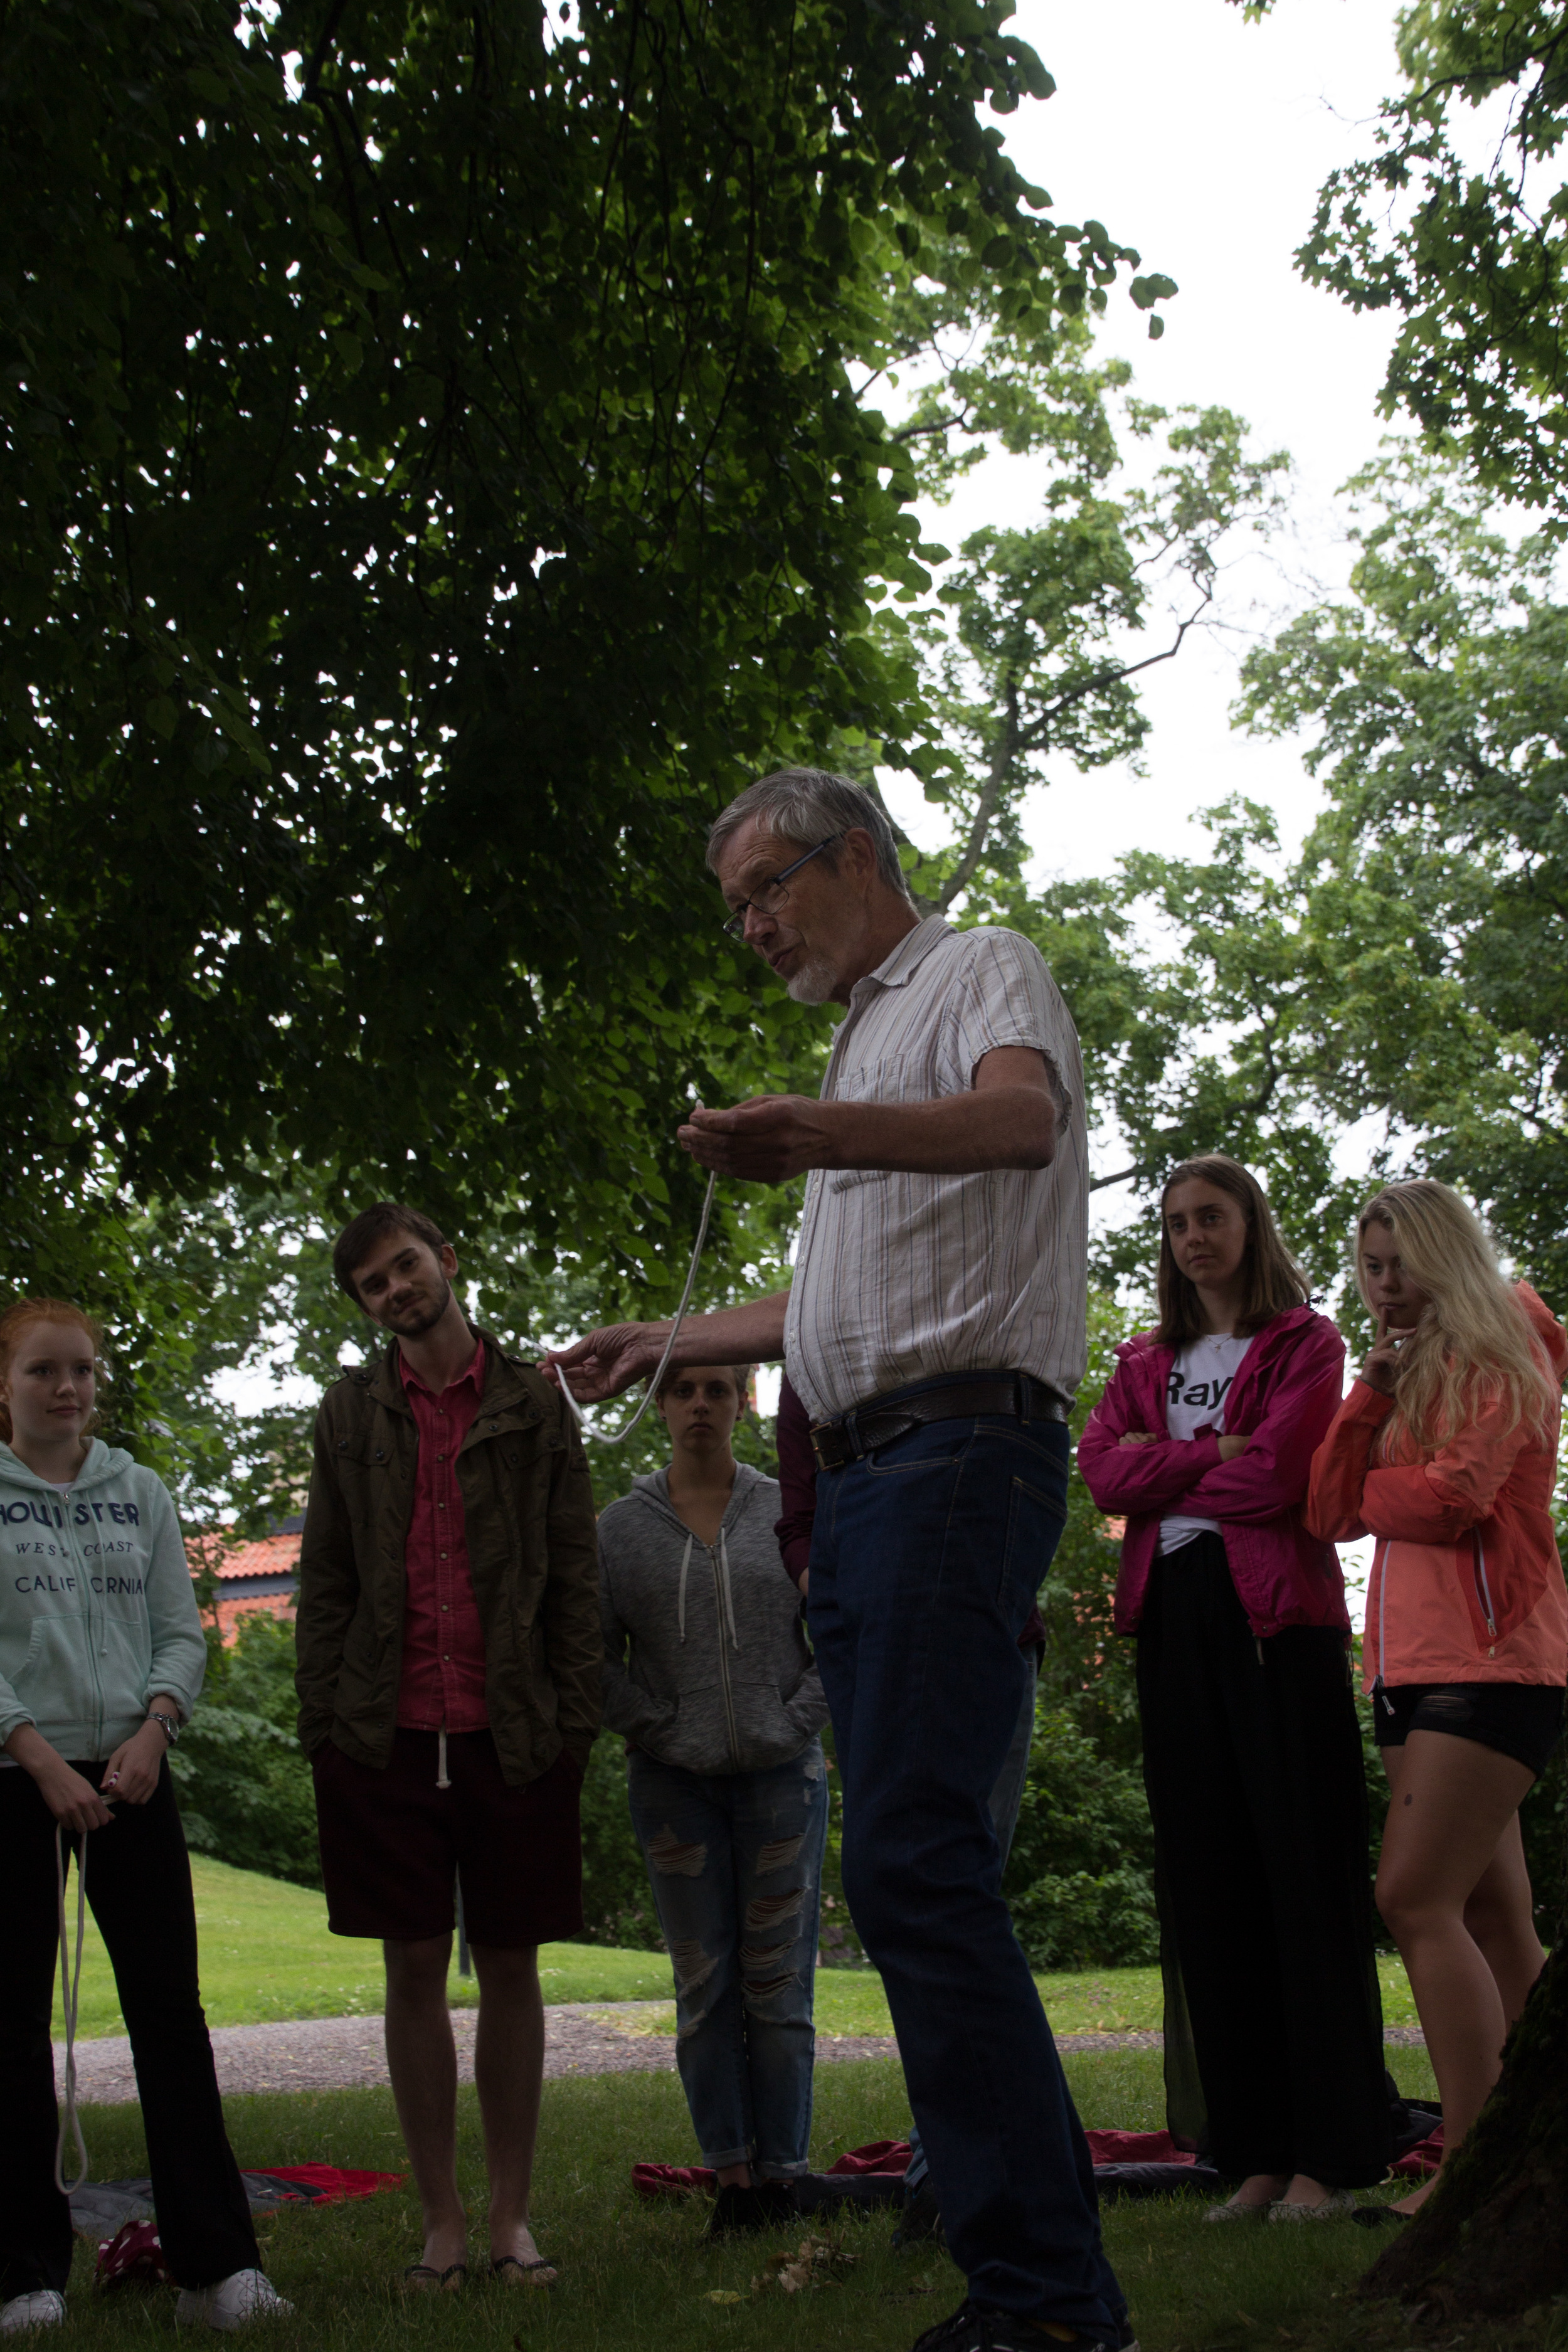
point(97, 1612)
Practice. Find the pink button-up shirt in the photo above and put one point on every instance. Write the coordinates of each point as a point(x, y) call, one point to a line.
point(443, 1683)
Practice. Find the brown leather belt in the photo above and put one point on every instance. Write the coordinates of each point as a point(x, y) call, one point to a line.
point(851, 1436)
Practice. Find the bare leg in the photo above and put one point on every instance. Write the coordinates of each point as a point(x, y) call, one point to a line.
point(1501, 1917)
point(1452, 1805)
point(508, 2069)
point(733, 2176)
point(1259, 2189)
point(422, 2060)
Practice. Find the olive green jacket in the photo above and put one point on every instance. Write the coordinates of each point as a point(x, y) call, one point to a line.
point(528, 1512)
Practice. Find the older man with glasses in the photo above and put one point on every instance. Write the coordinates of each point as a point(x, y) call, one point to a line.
point(935, 1331)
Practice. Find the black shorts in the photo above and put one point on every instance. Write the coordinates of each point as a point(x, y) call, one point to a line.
point(394, 1844)
point(1523, 1720)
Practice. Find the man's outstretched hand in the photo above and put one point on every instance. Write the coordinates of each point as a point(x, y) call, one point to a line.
point(607, 1361)
point(764, 1142)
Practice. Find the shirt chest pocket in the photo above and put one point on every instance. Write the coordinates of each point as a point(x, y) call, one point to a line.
point(364, 1466)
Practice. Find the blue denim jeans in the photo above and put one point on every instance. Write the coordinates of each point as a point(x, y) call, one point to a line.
point(735, 1862)
point(1007, 1797)
point(924, 1564)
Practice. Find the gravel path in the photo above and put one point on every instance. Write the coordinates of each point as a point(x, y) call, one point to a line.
point(331, 2054)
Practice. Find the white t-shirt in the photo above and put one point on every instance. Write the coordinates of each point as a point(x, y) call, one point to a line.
point(1195, 1399)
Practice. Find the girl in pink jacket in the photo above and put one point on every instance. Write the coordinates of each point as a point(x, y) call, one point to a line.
point(1446, 1451)
point(1203, 1443)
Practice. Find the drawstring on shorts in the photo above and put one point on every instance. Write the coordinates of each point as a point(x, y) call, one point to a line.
point(441, 1780)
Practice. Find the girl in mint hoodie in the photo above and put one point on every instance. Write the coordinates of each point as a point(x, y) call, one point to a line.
point(101, 1660)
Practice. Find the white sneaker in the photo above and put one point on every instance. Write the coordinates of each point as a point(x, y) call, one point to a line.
point(237, 2300)
point(44, 2307)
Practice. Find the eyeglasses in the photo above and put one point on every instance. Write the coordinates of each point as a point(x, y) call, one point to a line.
point(770, 896)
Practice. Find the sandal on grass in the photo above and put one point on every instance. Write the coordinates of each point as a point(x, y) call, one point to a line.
point(534, 2273)
point(423, 2278)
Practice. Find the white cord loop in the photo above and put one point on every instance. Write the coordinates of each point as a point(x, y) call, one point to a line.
point(70, 1999)
point(620, 1436)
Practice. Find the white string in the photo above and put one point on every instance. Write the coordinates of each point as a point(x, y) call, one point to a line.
point(71, 1998)
point(620, 1436)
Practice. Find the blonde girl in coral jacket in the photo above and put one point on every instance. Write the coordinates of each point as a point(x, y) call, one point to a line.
point(1446, 1451)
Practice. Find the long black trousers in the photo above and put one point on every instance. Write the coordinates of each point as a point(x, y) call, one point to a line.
point(138, 1891)
point(1253, 1765)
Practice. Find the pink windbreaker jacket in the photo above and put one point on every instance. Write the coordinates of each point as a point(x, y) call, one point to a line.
point(1284, 1398)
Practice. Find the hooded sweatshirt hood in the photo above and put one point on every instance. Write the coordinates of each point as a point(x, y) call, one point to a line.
point(706, 1661)
point(98, 1610)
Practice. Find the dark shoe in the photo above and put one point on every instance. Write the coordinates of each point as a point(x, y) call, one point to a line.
point(976, 2327)
point(741, 2212)
point(921, 2221)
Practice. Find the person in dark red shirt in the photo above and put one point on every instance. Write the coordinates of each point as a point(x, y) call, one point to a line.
point(450, 1662)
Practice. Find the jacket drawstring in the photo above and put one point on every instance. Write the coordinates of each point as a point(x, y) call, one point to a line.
point(724, 1589)
point(441, 1780)
point(681, 1605)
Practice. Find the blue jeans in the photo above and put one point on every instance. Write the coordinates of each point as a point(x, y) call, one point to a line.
point(1005, 1798)
point(925, 1559)
point(735, 1862)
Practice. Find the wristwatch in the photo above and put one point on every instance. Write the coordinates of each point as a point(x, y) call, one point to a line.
point(170, 1726)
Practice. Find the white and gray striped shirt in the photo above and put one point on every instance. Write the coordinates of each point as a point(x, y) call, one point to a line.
point(898, 1277)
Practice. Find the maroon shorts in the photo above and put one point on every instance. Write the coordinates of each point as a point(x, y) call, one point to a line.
point(394, 1844)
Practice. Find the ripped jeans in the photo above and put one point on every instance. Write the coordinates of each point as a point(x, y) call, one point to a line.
point(735, 1862)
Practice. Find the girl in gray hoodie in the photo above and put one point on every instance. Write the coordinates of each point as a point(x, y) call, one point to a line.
point(709, 1677)
point(101, 1660)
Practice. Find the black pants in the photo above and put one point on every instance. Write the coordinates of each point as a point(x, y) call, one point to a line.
point(139, 1889)
point(1252, 1760)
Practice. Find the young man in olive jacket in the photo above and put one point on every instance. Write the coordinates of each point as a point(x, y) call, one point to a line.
point(448, 1672)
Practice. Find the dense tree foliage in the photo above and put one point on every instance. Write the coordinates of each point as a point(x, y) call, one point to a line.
point(1457, 222)
point(434, 479)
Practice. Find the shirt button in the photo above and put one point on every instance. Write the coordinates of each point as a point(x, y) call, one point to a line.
point(443, 1555)
point(445, 1605)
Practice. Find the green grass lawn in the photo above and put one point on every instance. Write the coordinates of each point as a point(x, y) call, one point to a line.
point(642, 2276)
point(267, 1954)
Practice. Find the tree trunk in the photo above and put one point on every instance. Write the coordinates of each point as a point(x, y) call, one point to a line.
point(1493, 2236)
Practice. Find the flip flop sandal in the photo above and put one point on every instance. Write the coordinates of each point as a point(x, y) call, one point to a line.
point(527, 2272)
point(423, 2278)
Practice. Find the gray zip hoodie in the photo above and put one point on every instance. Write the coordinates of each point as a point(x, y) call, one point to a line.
point(97, 1612)
point(718, 1678)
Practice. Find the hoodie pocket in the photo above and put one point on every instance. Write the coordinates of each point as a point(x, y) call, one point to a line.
point(696, 1736)
point(766, 1724)
point(50, 1673)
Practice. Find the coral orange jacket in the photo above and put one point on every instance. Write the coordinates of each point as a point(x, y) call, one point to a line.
point(1466, 1585)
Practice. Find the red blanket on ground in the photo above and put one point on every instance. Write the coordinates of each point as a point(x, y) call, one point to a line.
point(136, 2252)
point(887, 2159)
point(1423, 2158)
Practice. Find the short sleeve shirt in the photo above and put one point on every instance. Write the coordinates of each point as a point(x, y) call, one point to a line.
point(900, 1277)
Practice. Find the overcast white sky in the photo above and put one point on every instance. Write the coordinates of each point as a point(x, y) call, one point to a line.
point(1203, 140)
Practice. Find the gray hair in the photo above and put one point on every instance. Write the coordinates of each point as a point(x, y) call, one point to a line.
point(800, 805)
